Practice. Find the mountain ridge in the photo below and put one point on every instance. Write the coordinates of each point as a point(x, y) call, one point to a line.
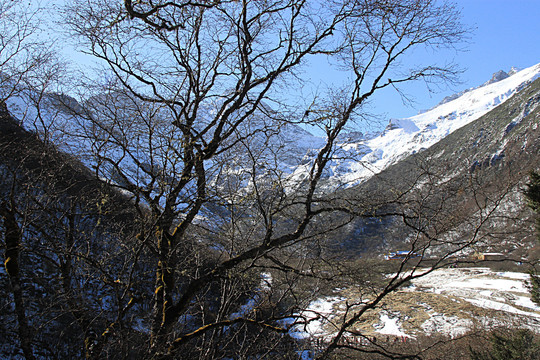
point(356, 156)
point(494, 154)
point(358, 160)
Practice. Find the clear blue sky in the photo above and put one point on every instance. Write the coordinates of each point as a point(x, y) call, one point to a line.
point(506, 33)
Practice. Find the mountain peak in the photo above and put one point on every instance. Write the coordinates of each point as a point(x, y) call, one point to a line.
point(513, 70)
point(497, 76)
point(501, 75)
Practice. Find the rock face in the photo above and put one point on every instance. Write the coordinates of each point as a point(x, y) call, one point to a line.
point(498, 76)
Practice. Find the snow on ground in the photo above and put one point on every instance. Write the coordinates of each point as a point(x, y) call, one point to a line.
point(264, 287)
point(450, 325)
point(514, 275)
point(313, 321)
point(505, 292)
point(453, 302)
point(526, 302)
point(389, 326)
point(496, 305)
point(483, 287)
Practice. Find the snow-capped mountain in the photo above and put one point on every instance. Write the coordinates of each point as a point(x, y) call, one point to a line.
point(290, 149)
point(356, 160)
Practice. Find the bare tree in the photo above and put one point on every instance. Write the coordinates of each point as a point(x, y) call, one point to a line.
point(189, 121)
point(25, 57)
point(26, 62)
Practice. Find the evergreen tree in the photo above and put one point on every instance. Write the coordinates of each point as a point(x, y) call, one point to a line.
point(518, 345)
point(533, 197)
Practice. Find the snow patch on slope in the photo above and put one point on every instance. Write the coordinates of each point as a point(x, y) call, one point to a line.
point(450, 325)
point(389, 325)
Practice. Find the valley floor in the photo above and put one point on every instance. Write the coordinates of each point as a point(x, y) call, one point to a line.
point(446, 302)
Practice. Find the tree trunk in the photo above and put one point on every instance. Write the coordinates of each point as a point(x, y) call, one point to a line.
point(11, 262)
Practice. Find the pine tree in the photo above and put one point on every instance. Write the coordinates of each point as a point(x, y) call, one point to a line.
point(533, 197)
point(510, 345)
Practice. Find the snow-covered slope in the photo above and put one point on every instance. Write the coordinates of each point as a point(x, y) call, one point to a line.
point(356, 161)
point(289, 149)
